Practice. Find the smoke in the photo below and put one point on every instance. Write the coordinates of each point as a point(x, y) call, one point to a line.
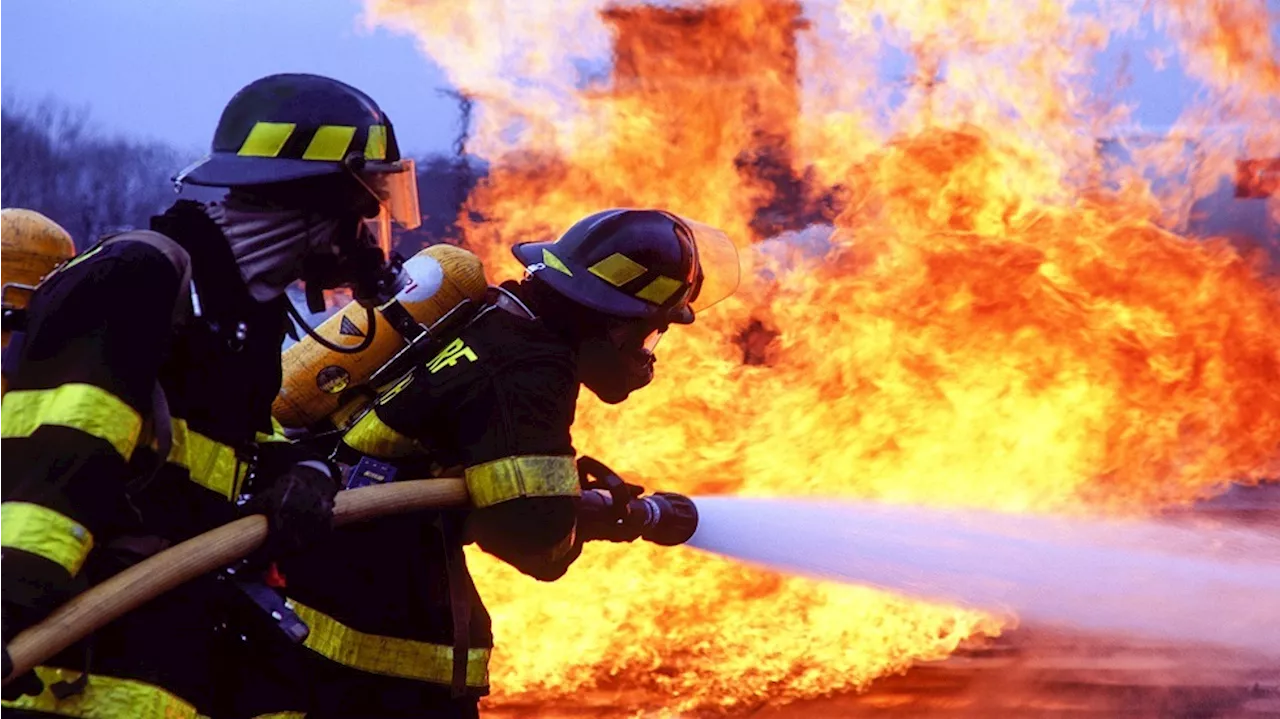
point(1159, 580)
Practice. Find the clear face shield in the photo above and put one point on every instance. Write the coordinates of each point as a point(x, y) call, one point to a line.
point(395, 185)
point(635, 335)
point(369, 268)
point(650, 341)
point(718, 264)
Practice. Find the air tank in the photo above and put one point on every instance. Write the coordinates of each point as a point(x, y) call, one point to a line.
point(317, 379)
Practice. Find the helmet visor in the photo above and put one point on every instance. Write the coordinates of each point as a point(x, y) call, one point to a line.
point(650, 341)
point(380, 227)
point(636, 334)
point(718, 265)
point(395, 184)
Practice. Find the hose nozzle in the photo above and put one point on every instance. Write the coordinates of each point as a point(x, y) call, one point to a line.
point(670, 518)
point(664, 518)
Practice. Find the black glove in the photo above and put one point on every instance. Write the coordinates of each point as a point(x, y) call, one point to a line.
point(33, 587)
point(299, 509)
point(15, 620)
point(608, 514)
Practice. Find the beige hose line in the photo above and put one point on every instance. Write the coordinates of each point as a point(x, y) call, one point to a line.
point(206, 553)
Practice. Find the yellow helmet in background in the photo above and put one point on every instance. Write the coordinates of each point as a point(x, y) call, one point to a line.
point(31, 246)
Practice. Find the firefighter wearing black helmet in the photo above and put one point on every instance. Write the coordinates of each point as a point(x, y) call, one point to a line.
point(138, 410)
point(397, 628)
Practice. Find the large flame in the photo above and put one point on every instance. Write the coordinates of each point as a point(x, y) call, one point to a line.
point(949, 299)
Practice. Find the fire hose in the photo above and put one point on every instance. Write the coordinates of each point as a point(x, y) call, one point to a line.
point(231, 542)
point(200, 555)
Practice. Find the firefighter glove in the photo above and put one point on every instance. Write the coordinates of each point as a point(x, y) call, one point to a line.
point(299, 508)
point(608, 512)
point(32, 588)
point(15, 619)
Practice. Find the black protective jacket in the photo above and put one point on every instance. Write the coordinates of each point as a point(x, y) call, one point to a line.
point(397, 627)
point(85, 493)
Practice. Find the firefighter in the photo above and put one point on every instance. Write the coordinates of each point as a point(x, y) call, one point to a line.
point(139, 402)
point(397, 628)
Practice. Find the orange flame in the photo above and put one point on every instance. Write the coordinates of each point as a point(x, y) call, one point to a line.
point(945, 303)
point(1228, 44)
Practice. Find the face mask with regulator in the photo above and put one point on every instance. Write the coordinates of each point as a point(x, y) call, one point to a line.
point(362, 258)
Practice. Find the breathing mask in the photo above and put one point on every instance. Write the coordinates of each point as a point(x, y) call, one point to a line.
point(620, 360)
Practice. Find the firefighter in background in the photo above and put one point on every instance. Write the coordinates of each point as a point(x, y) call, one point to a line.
point(33, 245)
point(140, 393)
point(397, 628)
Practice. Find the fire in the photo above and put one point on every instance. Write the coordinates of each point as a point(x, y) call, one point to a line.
point(1228, 43)
point(948, 300)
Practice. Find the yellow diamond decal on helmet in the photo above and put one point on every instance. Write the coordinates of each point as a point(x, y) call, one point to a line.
point(554, 262)
point(375, 146)
point(660, 290)
point(617, 269)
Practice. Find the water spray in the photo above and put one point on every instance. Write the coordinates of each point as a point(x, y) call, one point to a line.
point(1176, 582)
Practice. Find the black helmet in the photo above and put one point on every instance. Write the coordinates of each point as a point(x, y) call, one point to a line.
point(284, 128)
point(294, 126)
point(646, 264)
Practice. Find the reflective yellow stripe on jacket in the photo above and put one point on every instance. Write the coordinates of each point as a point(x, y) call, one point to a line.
point(528, 476)
point(105, 698)
point(90, 409)
point(99, 413)
point(390, 656)
point(277, 433)
point(40, 530)
point(373, 437)
point(211, 464)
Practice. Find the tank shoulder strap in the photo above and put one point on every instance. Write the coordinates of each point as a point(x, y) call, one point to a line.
point(161, 420)
point(177, 256)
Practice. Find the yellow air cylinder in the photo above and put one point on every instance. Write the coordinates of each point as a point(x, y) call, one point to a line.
point(31, 246)
point(441, 276)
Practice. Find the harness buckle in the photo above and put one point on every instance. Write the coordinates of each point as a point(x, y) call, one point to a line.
point(271, 602)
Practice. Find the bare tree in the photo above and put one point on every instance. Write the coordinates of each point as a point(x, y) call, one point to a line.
point(55, 162)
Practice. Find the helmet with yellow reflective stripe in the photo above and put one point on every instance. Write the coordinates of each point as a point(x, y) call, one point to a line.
point(308, 157)
point(637, 263)
point(290, 127)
